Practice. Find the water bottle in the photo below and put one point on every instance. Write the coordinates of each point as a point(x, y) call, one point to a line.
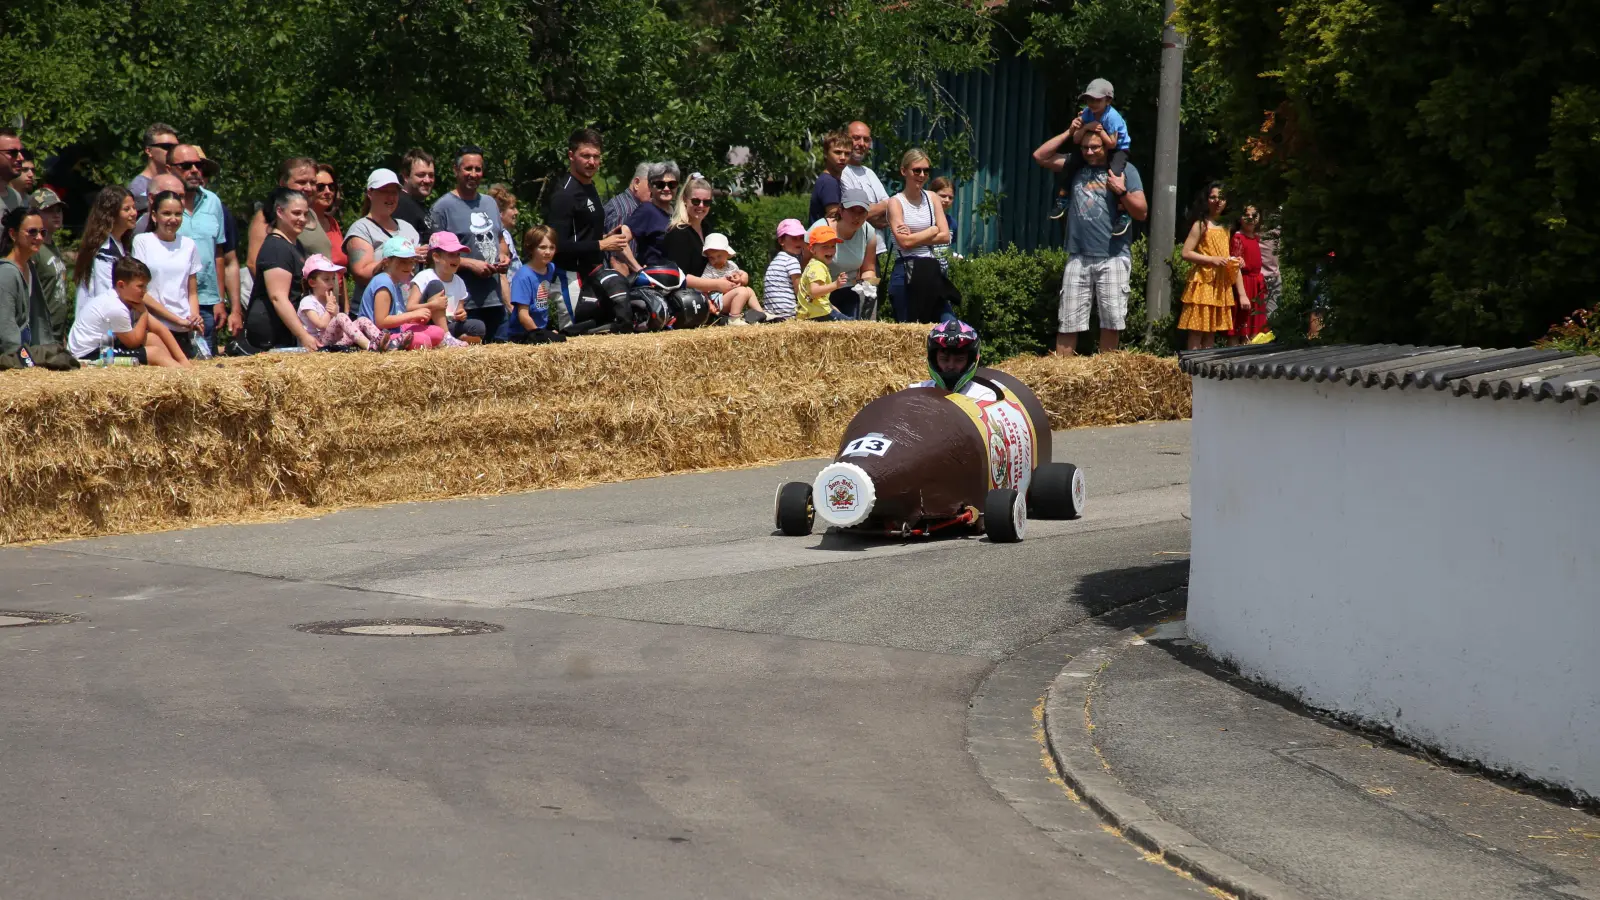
point(109, 352)
point(202, 347)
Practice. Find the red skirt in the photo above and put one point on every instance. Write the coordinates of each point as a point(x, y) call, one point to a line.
point(1247, 325)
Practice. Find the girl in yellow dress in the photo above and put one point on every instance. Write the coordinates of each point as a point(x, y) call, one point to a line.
point(1214, 283)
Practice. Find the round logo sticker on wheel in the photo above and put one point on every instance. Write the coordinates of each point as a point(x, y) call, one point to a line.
point(844, 494)
point(1080, 491)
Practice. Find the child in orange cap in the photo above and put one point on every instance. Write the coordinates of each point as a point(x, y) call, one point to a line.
point(816, 283)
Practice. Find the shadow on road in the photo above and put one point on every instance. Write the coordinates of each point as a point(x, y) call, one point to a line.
point(1101, 592)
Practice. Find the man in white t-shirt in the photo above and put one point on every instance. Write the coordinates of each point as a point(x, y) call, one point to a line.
point(858, 176)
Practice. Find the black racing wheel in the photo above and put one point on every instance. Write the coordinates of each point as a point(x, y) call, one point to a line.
point(794, 512)
point(1005, 515)
point(1056, 492)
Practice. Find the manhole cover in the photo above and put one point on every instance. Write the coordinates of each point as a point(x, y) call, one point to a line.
point(400, 627)
point(16, 618)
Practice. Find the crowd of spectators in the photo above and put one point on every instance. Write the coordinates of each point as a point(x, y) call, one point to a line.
point(410, 273)
point(410, 269)
point(165, 273)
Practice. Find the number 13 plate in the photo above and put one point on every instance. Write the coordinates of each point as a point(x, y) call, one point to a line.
point(869, 445)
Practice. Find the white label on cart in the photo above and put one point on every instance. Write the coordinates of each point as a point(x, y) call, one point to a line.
point(873, 444)
point(1010, 445)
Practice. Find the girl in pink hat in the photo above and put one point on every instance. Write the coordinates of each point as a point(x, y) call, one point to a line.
point(319, 310)
point(440, 290)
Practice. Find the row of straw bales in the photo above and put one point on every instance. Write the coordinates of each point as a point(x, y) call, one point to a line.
point(103, 452)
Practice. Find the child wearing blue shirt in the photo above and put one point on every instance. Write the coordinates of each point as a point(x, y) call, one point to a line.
point(1097, 110)
point(535, 286)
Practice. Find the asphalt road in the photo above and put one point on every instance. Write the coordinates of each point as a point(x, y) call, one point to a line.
point(680, 704)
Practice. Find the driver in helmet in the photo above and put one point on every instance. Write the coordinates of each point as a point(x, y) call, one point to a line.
point(953, 355)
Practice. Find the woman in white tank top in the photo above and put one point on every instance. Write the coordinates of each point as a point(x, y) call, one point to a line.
point(917, 222)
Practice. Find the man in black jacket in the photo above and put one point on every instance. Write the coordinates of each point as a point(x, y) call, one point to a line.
point(579, 220)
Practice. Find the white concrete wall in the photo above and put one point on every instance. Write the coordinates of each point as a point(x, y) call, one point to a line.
point(1422, 561)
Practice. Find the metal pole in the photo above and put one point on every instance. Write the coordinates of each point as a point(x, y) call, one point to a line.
point(1164, 198)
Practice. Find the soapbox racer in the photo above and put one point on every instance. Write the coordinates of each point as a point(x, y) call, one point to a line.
point(926, 459)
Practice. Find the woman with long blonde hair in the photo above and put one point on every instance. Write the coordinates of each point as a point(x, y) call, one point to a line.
point(916, 219)
point(685, 247)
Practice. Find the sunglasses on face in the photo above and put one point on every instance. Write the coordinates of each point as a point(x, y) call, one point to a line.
point(696, 201)
point(664, 185)
point(324, 187)
point(920, 172)
point(32, 232)
point(186, 166)
point(166, 146)
point(14, 151)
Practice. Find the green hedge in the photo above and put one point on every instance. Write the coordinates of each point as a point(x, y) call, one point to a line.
point(1012, 296)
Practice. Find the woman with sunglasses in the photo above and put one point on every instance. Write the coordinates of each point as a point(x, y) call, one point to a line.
point(685, 248)
point(917, 285)
point(1250, 308)
point(325, 208)
point(24, 318)
point(650, 222)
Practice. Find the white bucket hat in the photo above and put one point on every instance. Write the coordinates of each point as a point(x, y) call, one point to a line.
point(716, 240)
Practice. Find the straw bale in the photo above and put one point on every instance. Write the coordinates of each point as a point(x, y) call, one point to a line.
point(1105, 389)
point(112, 451)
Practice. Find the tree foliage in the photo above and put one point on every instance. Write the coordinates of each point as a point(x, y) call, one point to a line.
point(356, 82)
point(1439, 163)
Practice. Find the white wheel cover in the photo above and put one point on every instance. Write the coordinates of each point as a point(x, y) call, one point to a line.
point(1080, 492)
point(1019, 515)
point(843, 494)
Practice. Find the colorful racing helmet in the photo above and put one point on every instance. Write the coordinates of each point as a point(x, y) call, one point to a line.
point(953, 335)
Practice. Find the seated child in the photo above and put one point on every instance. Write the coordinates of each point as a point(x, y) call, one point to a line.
point(384, 300)
point(780, 285)
point(319, 310)
point(1097, 110)
point(533, 287)
point(719, 264)
point(817, 284)
point(441, 291)
point(121, 320)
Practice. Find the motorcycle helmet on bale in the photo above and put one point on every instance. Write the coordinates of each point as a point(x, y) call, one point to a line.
point(953, 337)
point(649, 308)
point(686, 307)
point(689, 308)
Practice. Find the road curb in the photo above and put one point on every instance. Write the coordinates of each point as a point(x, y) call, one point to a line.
point(1070, 740)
